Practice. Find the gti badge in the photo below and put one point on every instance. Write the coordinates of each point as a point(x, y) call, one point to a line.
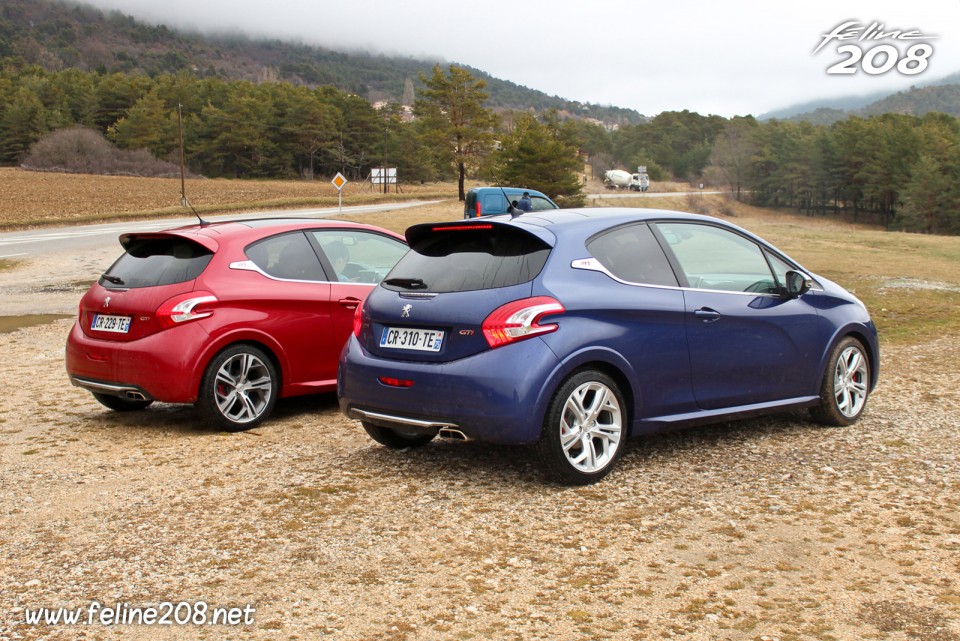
point(106, 302)
point(405, 311)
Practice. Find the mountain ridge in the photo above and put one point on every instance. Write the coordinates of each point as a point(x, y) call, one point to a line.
point(57, 34)
point(941, 95)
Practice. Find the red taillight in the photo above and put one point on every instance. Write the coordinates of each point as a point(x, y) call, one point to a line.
point(358, 320)
point(519, 320)
point(479, 210)
point(395, 382)
point(185, 308)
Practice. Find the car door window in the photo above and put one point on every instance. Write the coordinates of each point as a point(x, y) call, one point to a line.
point(358, 256)
point(718, 259)
point(540, 204)
point(633, 254)
point(288, 256)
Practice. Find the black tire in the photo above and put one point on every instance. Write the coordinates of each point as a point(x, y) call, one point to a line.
point(120, 404)
point(395, 439)
point(239, 388)
point(845, 385)
point(588, 456)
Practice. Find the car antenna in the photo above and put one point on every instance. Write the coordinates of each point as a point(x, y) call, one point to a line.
point(183, 183)
point(510, 208)
point(186, 203)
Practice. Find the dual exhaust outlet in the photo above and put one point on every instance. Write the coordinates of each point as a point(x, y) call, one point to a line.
point(444, 429)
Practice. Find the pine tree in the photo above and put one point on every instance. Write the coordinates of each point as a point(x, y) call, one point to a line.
point(454, 119)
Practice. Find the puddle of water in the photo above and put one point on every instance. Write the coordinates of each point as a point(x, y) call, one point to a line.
point(11, 323)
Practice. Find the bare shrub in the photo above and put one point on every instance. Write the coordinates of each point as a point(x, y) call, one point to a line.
point(695, 204)
point(81, 150)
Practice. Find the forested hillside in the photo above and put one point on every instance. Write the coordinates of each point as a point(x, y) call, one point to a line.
point(55, 35)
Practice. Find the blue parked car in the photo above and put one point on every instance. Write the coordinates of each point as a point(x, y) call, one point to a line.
point(575, 329)
point(492, 201)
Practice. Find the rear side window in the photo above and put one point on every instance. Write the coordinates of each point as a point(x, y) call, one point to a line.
point(633, 254)
point(150, 262)
point(288, 256)
point(467, 260)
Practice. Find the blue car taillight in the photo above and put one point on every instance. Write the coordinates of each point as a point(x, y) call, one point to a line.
point(519, 320)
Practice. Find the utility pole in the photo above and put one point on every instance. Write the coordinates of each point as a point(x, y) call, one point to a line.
point(183, 182)
point(386, 188)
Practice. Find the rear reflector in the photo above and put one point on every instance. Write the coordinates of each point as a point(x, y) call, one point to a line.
point(395, 382)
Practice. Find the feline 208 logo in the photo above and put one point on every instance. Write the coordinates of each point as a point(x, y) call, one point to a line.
point(909, 58)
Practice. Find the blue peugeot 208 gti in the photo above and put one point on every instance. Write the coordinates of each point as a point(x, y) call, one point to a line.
point(573, 330)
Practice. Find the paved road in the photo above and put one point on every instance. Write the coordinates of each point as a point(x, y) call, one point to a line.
point(24, 244)
point(650, 194)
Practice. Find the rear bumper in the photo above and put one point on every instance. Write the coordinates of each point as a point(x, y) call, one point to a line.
point(122, 390)
point(497, 396)
point(159, 367)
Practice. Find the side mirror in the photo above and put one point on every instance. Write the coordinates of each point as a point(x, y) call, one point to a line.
point(798, 284)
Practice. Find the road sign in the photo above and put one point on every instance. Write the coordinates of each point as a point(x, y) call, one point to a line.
point(339, 181)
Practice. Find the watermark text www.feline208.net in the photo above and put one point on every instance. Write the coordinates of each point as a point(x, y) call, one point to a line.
point(165, 613)
point(873, 48)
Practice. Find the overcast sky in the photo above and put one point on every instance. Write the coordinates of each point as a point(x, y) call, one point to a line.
point(729, 57)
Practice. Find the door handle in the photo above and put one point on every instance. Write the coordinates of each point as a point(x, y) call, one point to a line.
point(707, 315)
point(350, 302)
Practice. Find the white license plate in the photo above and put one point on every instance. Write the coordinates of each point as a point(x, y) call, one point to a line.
point(424, 340)
point(107, 323)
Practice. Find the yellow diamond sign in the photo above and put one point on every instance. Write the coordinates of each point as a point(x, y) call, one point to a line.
point(339, 181)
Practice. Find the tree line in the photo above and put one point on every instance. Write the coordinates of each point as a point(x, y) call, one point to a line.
point(897, 170)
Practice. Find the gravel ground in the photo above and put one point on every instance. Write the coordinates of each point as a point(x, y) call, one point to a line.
point(765, 529)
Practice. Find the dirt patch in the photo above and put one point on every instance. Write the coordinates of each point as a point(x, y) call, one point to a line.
point(770, 528)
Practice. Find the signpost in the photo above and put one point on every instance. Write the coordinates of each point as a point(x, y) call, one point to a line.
point(339, 181)
point(385, 176)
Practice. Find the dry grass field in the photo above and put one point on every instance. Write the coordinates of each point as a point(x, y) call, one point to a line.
point(36, 199)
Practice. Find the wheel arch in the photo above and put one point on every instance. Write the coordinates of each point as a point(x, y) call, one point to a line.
point(867, 338)
point(603, 360)
point(259, 340)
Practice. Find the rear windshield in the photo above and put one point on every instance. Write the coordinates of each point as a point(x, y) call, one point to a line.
point(468, 260)
point(150, 262)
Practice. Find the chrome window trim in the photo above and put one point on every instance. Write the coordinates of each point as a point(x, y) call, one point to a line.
point(592, 264)
point(250, 266)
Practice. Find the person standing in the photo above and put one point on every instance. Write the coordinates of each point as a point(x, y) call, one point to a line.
point(525, 203)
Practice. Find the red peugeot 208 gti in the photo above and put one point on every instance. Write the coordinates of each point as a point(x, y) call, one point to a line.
point(229, 316)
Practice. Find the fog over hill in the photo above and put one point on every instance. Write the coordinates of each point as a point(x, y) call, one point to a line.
point(731, 58)
point(56, 34)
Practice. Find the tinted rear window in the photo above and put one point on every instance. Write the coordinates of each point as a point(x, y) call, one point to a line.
point(632, 254)
point(458, 261)
point(150, 262)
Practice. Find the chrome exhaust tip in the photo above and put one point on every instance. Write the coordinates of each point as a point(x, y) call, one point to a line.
point(452, 434)
point(134, 396)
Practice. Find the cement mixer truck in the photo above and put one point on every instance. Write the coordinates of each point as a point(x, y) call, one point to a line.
point(620, 179)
